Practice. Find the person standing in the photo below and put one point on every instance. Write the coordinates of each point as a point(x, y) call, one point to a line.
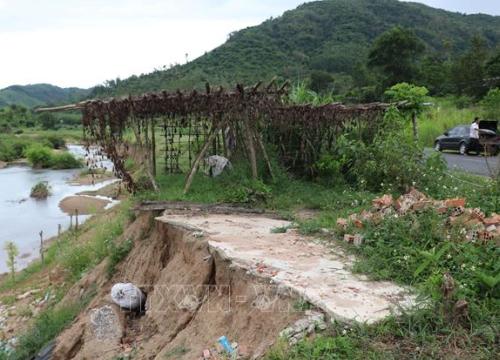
point(474, 136)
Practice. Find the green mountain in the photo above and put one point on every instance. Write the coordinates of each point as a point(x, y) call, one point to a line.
point(329, 35)
point(39, 94)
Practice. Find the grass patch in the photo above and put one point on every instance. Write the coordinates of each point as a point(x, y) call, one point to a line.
point(77, 258)
point(177, 352)
point(117, 253)
point(8, 300)
point(45, 328)
point(442, 116)
point(320, 348)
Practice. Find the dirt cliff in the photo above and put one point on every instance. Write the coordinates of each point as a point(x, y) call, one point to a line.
point(194, 297)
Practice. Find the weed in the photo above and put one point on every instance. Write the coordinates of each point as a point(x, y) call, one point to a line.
point(46, 326)
point(117, 253)
point(302, 305)
point(8, 300)
point(177, 352)
point(24, 311)
point(12, 252)
point(280, 230)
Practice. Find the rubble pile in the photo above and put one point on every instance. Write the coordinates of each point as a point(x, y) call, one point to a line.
point(475, 226)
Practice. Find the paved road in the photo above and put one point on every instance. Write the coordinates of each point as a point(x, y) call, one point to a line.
point(470, 163)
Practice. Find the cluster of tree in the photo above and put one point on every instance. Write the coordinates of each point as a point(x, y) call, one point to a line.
point(399, 55)
point(329, 43)
point(15, 117)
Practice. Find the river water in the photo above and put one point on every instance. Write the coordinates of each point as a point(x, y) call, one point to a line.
point(22, 217)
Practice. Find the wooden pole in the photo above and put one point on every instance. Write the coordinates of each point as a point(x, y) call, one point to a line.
point(41, 246)
point(204, 149)
point(76, 219)
point(59, 231)
point(70, 221)
point(266, 157)
point(251, 147)
point(153, 145)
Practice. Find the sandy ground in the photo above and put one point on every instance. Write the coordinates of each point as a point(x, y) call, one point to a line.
point(89, 179)
point(112, 191)
point(2, 164)
point(84, 204)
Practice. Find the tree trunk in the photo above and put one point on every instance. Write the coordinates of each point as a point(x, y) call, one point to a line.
point(415, 126)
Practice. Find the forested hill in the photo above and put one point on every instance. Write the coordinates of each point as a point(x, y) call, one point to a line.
point(331, 35)
point(39, 94)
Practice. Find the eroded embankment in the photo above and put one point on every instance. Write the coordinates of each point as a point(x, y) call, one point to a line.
point(194, 297)
point(209, 275)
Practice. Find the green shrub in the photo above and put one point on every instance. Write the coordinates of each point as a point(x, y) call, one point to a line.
point(65, 160)
point(39, 156)
point(56, 141)
point(43, 157)
point(491, 104)
point(41, 190)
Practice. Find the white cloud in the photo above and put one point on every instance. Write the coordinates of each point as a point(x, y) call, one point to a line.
point(85, 42)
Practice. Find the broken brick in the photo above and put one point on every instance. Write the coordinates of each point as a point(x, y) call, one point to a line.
point(358, 240)
point(455, 203)
point(421, 205)
point(349, 238)
point(494, 219)
point(491, 229)
point(383, 202)
point(358, 223)
point(341, 224)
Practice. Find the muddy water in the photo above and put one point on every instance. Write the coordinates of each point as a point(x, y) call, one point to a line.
point(22, 218)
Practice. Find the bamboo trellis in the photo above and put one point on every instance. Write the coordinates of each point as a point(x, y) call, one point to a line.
point(197, 123)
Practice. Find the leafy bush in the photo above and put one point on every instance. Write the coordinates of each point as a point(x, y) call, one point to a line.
point(39, 156)
point(65, 161)
point(41, 190)
point(491, 104)
point(42, 157)
point(56, 141)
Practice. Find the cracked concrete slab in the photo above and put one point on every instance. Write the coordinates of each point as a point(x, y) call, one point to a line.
point(318, 273)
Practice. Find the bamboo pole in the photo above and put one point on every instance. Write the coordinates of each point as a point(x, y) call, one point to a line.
point(153, 145)
point(41, 247)
point(251, 147)
point(204, 149)
point(264, 153)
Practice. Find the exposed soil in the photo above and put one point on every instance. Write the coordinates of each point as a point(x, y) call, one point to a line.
point(85, 205)
point(2, 164)
point(194, 297)
point(206, 276)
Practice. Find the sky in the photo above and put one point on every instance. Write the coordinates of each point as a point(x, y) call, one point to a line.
point(82, 43)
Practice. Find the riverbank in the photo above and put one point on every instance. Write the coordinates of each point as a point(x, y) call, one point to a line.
point(24, 217)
